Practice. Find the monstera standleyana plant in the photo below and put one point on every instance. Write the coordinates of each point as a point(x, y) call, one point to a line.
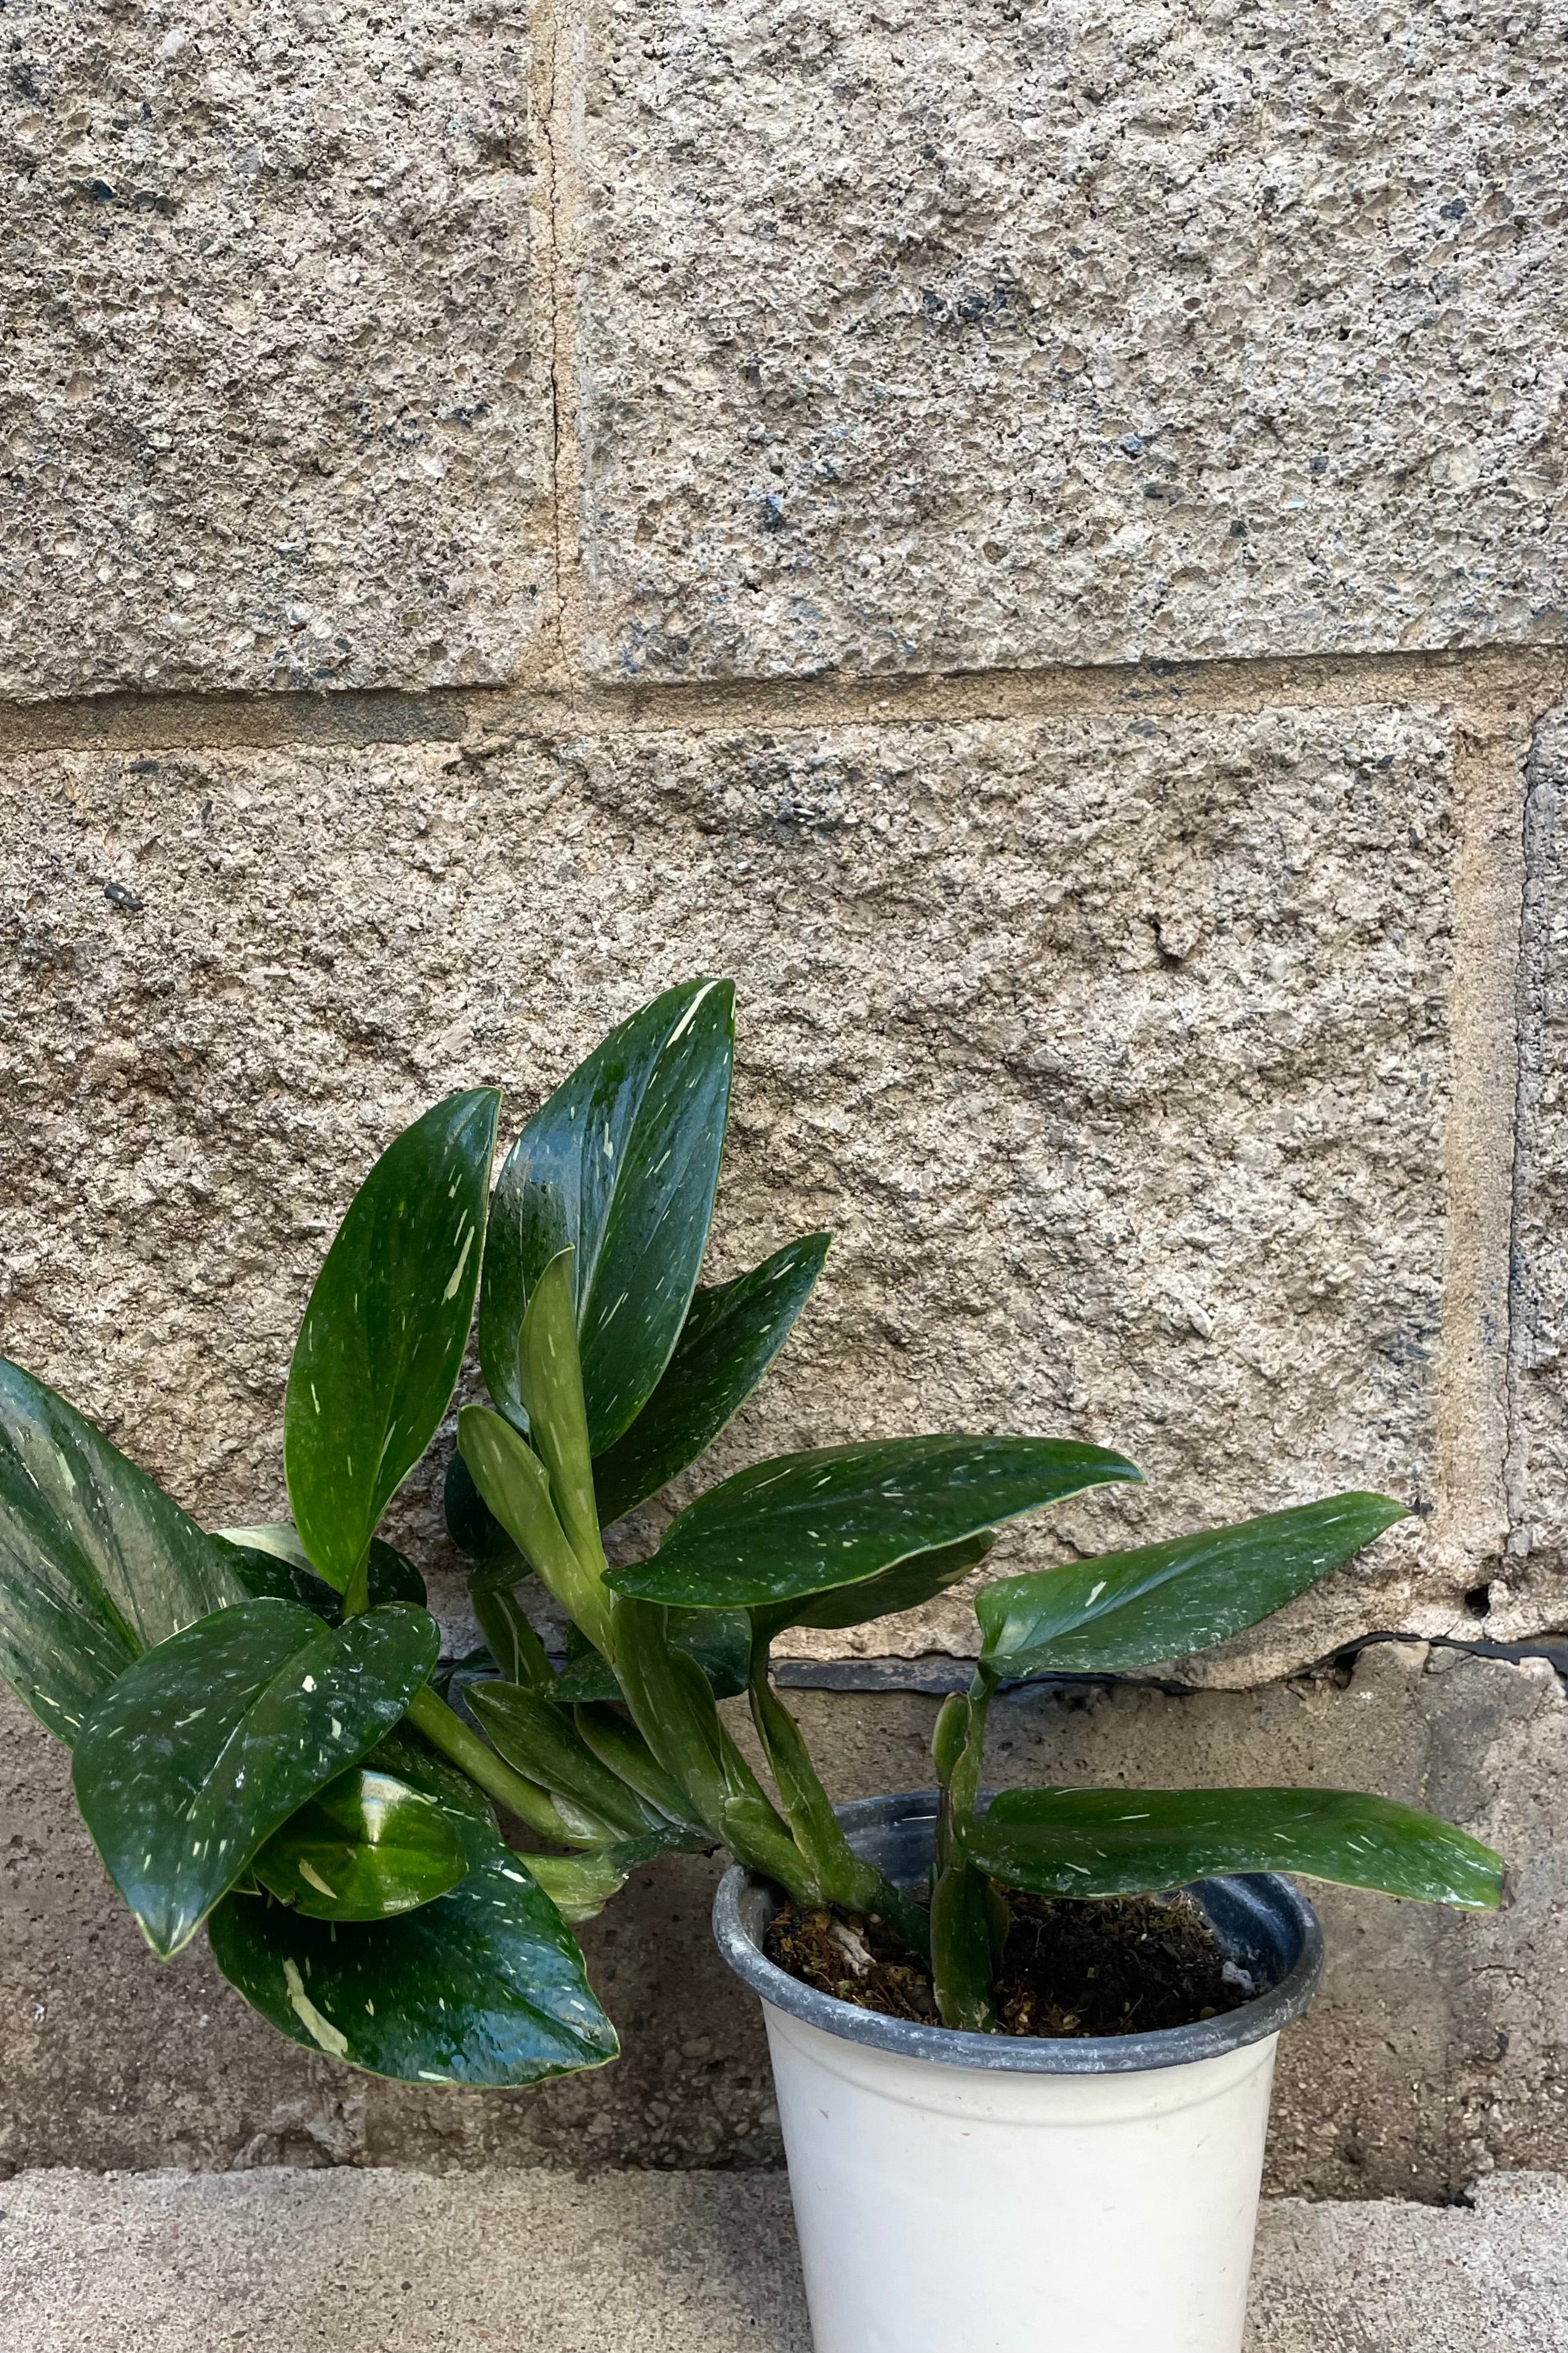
point(261, 1746)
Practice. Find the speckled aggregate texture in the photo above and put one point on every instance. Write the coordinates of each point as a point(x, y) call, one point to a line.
point(980, 331)
point(115, 2058)
point(391, 2262)
point(1538, 1421)
point(1114, 1052)
point(276, 410)
point(746, 437)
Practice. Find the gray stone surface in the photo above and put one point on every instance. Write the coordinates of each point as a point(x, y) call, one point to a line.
point(277, 404)
point(1491, 2277)
point(397, 2262)
point(979, 333)
point(1536, 1570)
point(1434, 2052)
point(1114, 1050)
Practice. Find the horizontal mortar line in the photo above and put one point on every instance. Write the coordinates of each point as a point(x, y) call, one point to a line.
point(935, 1674)
point(1525, 680)
point(939, 1673)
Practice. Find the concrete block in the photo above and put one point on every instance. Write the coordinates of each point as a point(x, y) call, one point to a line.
point(1536, 1574)
point(987, 333)
point(1435, 2053)
point(278, 407)
point(395, 2262)
point(1115, 1050)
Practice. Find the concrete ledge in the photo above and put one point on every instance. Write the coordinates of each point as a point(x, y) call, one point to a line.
point(360, 2261)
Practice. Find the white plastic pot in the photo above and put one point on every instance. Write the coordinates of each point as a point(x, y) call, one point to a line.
point(974, 2193)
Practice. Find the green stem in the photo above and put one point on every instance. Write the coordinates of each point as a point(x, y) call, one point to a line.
point(531, 1804)
point(356, 1596)
point(847, 1878)
point(963, 1956)
point(673, 1708)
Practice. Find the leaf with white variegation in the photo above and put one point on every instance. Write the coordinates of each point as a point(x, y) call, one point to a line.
point(365, 1847)
point(806, 1523)
point(204, 1747)
point(906, 1587)
point(96, 1563)
point(1127, 1609)
point(409, 1757)
point(620, 1166)
point(729, 1337)
point(1095, 1842)
point(383, 1338)
point(484, 1987)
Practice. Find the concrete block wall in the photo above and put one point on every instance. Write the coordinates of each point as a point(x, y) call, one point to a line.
point(1035, 541)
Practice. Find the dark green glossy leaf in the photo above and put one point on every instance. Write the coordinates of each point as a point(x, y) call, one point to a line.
point(1138, 1841)
point(920, 1579)
point(519, 1655)
point(717, 1640)
point(453, 1676)
point(540, 1740)
point(620, 1166)
point(1125, 1609)
point(275, 1566)
point(620, 1745)
point(97, 1565)
point(271, 1575)
point(580, 1886)
point(365, 1847)
point(810, 1523)
point(383, 1338)
point(409, 1757)
point(204, 1746)
point(485, 1987)
point(729, 1339)
point(390, 1575)
point(474, 1527)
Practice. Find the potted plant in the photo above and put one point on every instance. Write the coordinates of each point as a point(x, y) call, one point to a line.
point(264, 1749)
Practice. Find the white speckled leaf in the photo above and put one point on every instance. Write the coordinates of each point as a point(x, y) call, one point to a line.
point(204, 1747)
point(486, 1986)
point(809, 1523)
point(620, 1166)
point(96, 1563)
point(365, 1847)
point(1138, 1841)
point(730, 1338)
point(383, 1337)
point(1123, 1610)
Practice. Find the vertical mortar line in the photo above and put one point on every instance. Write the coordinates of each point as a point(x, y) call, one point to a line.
point(1537, 819)
point(1492, 737)
point(560, 50)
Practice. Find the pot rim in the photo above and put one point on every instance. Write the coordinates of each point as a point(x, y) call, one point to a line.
point(1277, 1905)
